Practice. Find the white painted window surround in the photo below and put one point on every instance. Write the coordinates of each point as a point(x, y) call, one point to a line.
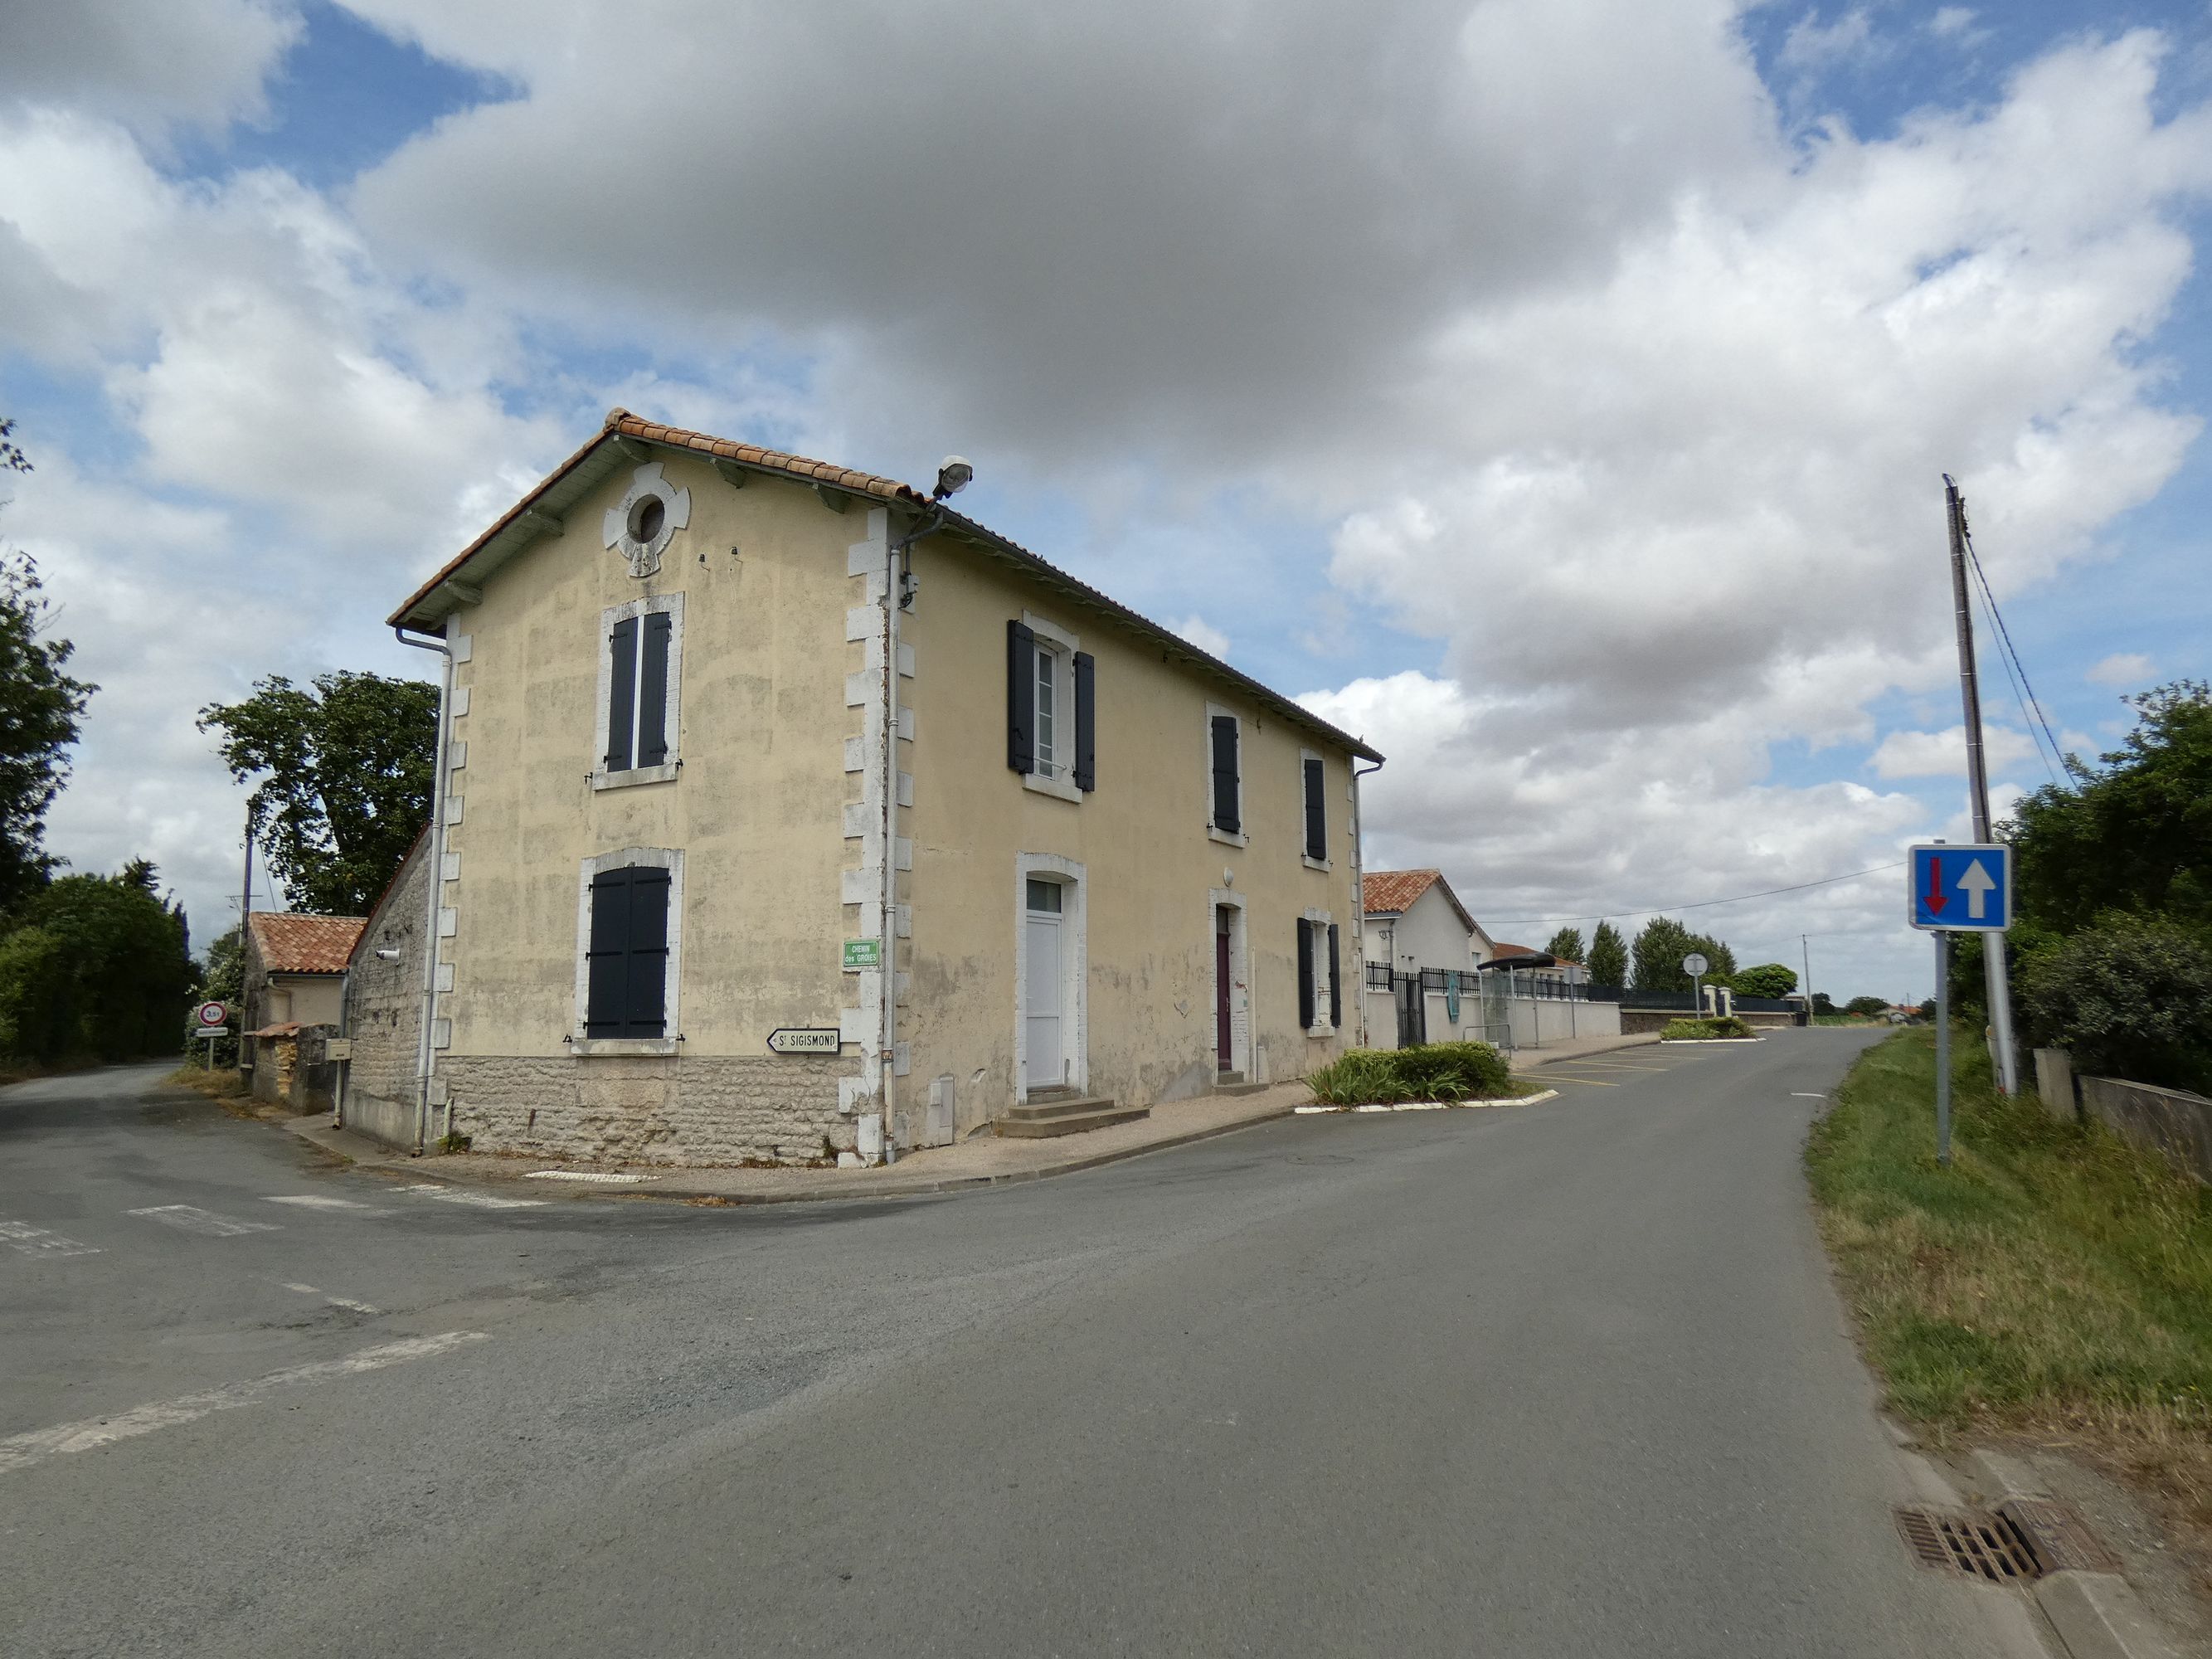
point(1241, 835)
point(1055, 651)
point(660, 858)
point(1317, 923)
point(672, 604)
point(1305, 755)
point(1074, 966)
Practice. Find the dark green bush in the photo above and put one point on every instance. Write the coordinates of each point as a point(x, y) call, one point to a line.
point(1433, 1071)
point(1704, 1031)
point(2128, 998)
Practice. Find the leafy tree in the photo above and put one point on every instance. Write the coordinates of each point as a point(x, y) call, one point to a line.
point(12, 457)
point(1721, 960)
point(2136, 833)
point(1566, 945)
point(1868, 1006)
point(348, 781)
point(222, 979)
point(1768, 979)
point(1608, 956)
point(1659, 951)
point(96, 965)
point(39, 707)
point(2127, 998)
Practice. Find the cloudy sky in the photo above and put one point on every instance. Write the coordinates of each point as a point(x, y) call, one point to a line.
point(1555, 392)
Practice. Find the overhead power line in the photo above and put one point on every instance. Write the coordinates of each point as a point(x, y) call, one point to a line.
point(1700, 904)
point(2030, 706)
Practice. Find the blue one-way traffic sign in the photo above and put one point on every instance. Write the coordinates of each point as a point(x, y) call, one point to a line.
point(1965, 889)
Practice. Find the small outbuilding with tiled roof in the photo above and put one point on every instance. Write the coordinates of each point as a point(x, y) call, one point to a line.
point(295, 977)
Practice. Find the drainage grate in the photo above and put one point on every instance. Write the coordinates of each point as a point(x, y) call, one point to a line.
point(1968, 1543)
point(2056, 1537)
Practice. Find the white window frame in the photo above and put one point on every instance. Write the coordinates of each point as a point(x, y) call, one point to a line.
point(1053, 640)
point(1074, 967)
point(1317, 924)
point(1322, 863)
point(656, 858)
point(1241, 837)
point(672, 605)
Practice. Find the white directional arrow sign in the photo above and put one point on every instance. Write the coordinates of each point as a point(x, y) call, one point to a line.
point(1977, 884)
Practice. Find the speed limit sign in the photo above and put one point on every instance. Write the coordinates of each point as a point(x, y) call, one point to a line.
point(213, 1013)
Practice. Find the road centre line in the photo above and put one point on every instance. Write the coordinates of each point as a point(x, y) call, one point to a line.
point(191, 1219)
point(37, 1240)
point(22, 1451)
point(335, 1301)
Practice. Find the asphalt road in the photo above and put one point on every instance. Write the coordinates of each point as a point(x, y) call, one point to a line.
point(1568, 1380)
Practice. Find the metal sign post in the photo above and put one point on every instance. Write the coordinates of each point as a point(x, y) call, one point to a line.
point(1956, 890)
point(1694, 966)
point(1943, 1049)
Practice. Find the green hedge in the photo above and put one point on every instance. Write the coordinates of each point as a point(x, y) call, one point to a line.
point(1432, 1071)
point(1704, 1031)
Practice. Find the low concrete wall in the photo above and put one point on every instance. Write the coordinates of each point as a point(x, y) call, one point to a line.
point(2168, 1120)
point(2054, 1083)
point(381, 1118)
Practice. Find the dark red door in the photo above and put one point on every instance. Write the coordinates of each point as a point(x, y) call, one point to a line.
point(1223, 1052)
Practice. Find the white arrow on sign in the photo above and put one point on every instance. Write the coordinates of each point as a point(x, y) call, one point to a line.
point(1976, 886)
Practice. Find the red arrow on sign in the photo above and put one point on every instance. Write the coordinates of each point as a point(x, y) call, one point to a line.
point(1936, 900)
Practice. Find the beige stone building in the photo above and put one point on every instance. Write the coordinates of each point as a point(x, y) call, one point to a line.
point(787, 812)
point(294, 981)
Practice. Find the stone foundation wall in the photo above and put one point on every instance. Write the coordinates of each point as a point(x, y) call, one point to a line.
point(684, 1110)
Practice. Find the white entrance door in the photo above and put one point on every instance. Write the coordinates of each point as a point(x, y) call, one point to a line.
point(1041, 987)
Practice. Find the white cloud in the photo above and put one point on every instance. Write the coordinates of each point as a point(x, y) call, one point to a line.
point(2128, 669)
point(1956, 24)
point(1203, 635)
point(148, 63)
point(1813, 45)
point(1944, 754)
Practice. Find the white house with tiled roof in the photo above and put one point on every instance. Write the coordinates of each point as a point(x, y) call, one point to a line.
point(787, 813)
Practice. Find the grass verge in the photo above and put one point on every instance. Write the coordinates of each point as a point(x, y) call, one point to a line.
point(2054, 1284)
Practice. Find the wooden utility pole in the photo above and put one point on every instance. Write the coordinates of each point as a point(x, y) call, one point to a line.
point(1996, 977)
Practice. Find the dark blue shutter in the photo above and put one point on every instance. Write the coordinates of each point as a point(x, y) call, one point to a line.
point(653, 690)
point(622, 693)
point(607, 955)
point(645, 1014)
point(1225, 815)
point(1335, 989)
point(626, 961)
point(1086, 726)
point(1316, 814)
point(1021, 696)
point(1305, 975)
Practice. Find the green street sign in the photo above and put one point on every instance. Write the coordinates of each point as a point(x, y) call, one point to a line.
point(864, 953)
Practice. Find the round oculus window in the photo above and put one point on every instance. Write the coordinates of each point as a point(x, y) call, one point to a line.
point(646, 519)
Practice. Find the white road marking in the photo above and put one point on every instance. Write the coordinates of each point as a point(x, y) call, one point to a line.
point(1799, 1094)
point(481, 1200)
point(581, 1175)
point(22, 1451)
point(349, 1305)
point(37, 1240)
point(190, 1218)
point(320, 1201)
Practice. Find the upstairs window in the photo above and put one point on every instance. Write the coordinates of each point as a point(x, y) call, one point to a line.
point(1051, 726)
point(640, 671)
point(1225, 775)
point(1317, 809)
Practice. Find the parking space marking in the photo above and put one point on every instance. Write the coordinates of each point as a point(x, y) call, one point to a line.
point(22, 1451)
point(37, 1240)
point(191, 1219)
point(347, 1303)
point(479, 1201)
point(323, 1201)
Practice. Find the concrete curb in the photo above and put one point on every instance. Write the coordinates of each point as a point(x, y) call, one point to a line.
point(318, 1133)
point(1707, 1042)
point(1429, 1105)
point(2096, 1616)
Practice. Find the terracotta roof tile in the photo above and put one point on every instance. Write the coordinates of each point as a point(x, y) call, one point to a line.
point(1395, 890)
point(290, 943)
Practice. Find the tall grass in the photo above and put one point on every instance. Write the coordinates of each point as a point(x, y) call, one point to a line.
point(2054, 1278)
